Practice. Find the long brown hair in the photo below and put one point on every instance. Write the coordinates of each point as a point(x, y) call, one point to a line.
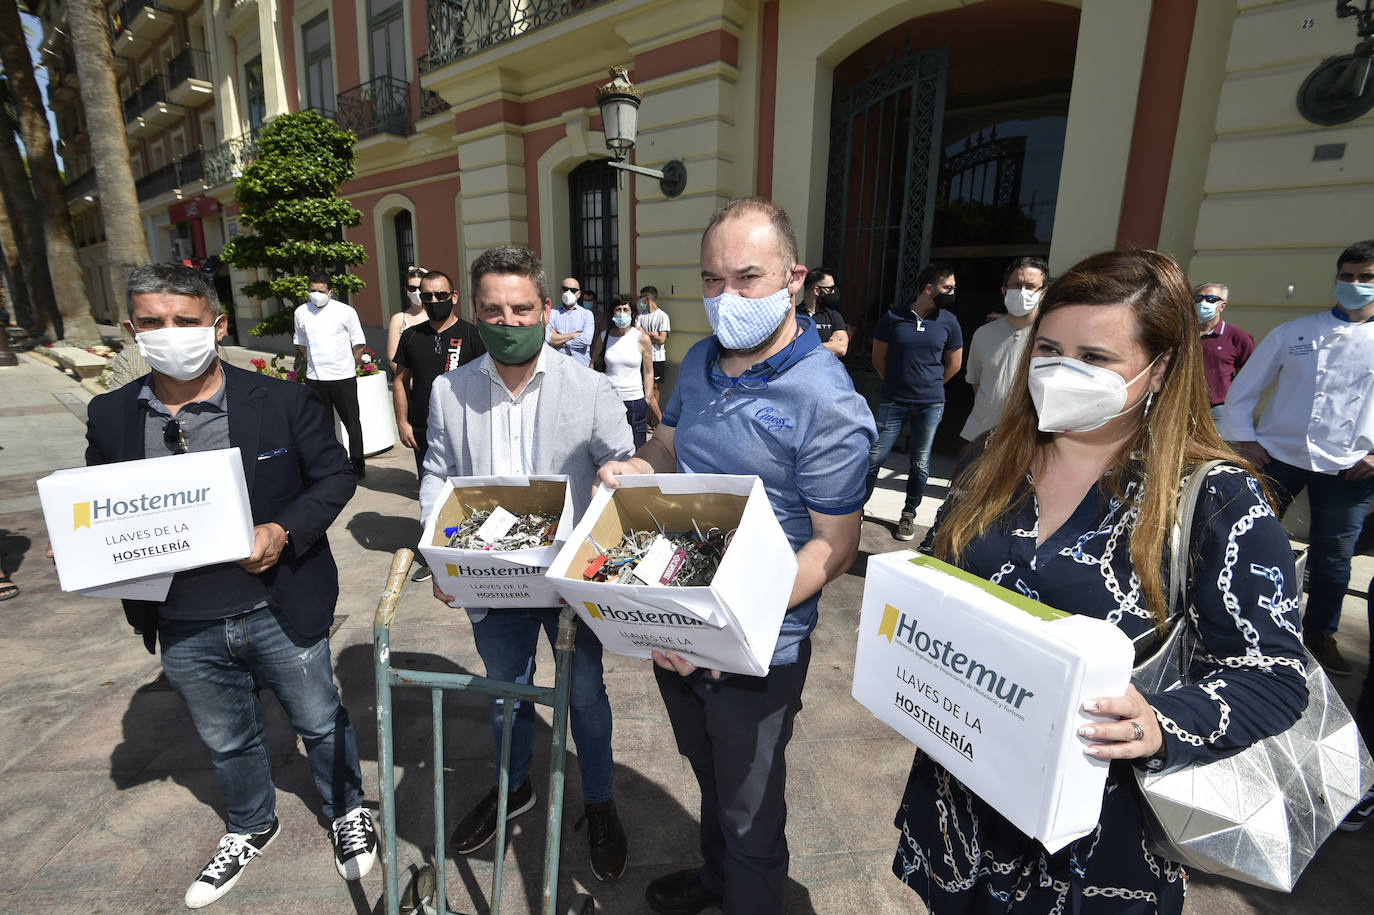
point(1177, 433)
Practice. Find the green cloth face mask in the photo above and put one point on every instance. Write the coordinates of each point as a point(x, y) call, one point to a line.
point(512, 345)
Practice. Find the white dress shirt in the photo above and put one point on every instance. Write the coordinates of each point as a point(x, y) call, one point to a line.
point(512, 419)
point(993, 357)
point(1321, 416)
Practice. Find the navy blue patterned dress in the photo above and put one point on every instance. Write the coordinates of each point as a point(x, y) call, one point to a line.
point(961, 856)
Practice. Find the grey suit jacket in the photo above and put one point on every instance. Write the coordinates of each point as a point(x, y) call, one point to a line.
point(579, 425)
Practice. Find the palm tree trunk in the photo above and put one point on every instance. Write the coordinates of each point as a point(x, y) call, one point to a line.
point(127, 246)
point(16, 193)
point(16, 280)
point(73, 302)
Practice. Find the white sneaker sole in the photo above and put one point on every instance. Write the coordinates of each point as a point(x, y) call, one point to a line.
point(219, 893)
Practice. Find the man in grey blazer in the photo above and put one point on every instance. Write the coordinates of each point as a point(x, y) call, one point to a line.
point(521, 409)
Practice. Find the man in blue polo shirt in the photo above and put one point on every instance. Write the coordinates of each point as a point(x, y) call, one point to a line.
point(761, 396)
point(916, 349)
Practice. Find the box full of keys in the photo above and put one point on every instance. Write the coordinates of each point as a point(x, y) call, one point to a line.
point(691, 563)
point(491, 539)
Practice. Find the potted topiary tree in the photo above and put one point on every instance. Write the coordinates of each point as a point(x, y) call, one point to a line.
point(288, 198)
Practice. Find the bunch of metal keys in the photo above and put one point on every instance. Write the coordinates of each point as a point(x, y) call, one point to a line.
point(694, 557)
point(501, 530)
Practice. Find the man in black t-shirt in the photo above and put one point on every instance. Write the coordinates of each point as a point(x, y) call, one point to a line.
point(820, 302)
point(426, 351)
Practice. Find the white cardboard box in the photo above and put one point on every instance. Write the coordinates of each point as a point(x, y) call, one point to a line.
point(493, 579)
point(134, 519)
point(990, 684)
point(731, 625)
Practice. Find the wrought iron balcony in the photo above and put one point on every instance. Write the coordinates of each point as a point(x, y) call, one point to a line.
point(83, 184)
point(226, 162)
point(458, 28)
point(191, 63)
point(136, 24)
point(191, 167)
point(158, 181)
point(380, 105)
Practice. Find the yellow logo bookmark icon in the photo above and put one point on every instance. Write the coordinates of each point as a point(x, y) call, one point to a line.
point(81, 515)
point(888, 627)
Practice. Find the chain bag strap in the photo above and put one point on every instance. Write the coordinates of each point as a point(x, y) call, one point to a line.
point(1220, 816)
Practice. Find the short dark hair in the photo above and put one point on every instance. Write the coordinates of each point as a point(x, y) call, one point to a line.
point(931, 275)
point(814, 276)
point(319, 276)
point(782, 224)
point(619, 299)
point(1362, 252)
point(510, 260)
point(438, 274)
point(177, 279)
point(649, 291)
point(1018, 263)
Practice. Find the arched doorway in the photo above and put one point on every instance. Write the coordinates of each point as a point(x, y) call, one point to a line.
point(946, 142)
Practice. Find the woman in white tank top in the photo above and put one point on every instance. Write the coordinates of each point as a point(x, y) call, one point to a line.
point(630, 367)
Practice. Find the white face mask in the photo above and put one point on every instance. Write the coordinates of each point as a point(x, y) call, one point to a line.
point(1020, 302)
point(319, 299)
point(1073, 396)
point(742, 324)
point(183, 353)
point(414, 296)
point(569, 299)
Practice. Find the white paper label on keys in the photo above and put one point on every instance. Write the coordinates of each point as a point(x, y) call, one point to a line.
point(661, 562)
point(497, 525)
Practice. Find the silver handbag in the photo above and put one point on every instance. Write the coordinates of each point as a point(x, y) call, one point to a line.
point(1260, 815)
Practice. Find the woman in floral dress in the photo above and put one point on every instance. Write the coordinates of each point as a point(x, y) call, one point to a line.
point(1070, 502)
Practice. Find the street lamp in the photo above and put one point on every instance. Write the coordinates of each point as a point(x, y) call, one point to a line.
point(619, 100)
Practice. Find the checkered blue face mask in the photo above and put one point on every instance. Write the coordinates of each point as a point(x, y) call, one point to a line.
point(742, 324)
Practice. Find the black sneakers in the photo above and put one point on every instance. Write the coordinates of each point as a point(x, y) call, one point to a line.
point(479, 826)
point(422, 571)
point(680, 893)
point(226, 867)
point(906, 527)
point(355, 844)
point(605, 840)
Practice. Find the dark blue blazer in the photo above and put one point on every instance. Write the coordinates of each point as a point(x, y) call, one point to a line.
point(302, 486)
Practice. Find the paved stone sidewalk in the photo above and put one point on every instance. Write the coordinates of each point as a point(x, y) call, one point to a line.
point(108, 802)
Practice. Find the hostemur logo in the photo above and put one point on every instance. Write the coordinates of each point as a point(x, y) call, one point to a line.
point(898, 628)
point(94, 511)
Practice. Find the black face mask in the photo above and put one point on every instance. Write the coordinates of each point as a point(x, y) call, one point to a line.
point(943, 300)
point(440, 310)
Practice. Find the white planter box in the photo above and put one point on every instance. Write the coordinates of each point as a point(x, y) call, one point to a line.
point(731, 625)
point(487, 578)
point(990, 684)
point(376, 414)
point(115, 522)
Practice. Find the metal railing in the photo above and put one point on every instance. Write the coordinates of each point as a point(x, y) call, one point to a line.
point(191, 63)
point(191, 167)
point(431, 102)
point(380, 105)
point(226, 162)
point(127, 11)
point(154, 90)
point(458, 28)
point(158, 181)
point(80, 186)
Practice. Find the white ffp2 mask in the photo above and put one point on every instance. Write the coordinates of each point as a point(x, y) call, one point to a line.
point(1020, 302)
point(1073, 396)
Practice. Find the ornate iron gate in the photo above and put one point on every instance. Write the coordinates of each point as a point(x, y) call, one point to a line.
point(881, 183)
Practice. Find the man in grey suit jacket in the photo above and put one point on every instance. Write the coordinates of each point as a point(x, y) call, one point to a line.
point(521, 409)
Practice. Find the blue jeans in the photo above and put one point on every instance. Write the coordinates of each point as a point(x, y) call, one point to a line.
point(507, 640)
point(1338, 509)
point(924, 419)
point(637, 415)
point(213, 665)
